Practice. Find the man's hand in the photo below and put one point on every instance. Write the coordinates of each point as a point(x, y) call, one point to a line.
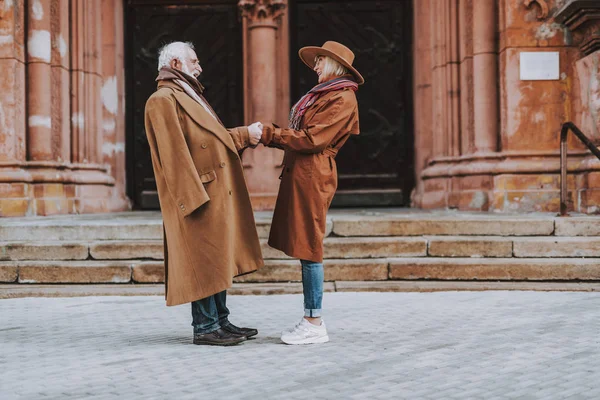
point(255, 130)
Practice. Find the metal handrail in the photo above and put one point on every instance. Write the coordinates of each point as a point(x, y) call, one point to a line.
point(563, 159)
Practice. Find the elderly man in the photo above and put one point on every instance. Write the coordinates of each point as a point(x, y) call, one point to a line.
point(209, 230)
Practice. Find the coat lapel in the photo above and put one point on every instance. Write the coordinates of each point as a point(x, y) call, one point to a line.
point(201, 116)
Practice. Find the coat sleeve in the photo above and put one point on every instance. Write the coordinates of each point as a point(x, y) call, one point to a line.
point(173, 155)
point(240, 136)
point(322, 128)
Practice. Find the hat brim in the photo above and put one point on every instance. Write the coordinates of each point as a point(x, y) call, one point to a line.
point(308, 54)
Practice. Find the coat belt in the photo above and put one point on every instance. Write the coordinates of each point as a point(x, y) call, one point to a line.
point(331, 152)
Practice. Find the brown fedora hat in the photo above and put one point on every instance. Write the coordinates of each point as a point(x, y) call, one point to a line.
point(335, 50)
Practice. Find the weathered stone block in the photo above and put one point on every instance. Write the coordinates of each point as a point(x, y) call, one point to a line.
point(14, 190)
point(430, 225)
point(557, 247)
point(454, 246)
point(43, 251)
point(14, 208)
point(74, 272)
point(533, 201)
point(74, 230)
point(347, 270)
point(148, 272)
point(52, 206)
point(49, 190)
point(356, 270)
point(577, 226)
point(127, 249)
point(8, 273)
point(495, 269)
point(275, 271)
point(369, 247)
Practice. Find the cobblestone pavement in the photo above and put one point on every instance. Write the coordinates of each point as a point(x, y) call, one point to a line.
point(449, 345)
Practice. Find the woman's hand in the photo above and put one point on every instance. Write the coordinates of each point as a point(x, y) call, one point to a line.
point(255, 130)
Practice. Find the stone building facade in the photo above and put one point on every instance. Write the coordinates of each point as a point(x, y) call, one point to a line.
point(447, 119)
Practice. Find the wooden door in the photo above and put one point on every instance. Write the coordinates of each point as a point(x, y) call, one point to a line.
point(376, 167)
point(215, 30)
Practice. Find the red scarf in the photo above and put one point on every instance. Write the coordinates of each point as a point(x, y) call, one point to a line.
point(298, 111)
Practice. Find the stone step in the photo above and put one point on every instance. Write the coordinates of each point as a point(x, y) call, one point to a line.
point(408, 225)
point(153, 249)
point(335, 248)
point(345, 223)
point(378, 269)
point(531, 269)
point(8, 291)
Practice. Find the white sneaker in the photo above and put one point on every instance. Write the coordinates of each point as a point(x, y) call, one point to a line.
point(306, 333)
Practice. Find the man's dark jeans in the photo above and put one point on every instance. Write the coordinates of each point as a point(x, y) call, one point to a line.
point(209, 314)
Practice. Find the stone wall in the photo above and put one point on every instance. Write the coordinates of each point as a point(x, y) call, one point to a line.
point(486, 139)
point(61, 113)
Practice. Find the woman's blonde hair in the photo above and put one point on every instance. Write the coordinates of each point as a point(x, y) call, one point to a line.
point(331, 67)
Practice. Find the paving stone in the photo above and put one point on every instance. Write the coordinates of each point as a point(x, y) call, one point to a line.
point(411, 226)
point(495, 268)
point(148, 272)
point(74, 272)
point(449, 345)
point(557, 247)
point(577, 226)
point(127, 249)
point(478, 246)
point(43, 251)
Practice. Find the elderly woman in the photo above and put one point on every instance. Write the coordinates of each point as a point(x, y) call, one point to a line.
point(320, 123)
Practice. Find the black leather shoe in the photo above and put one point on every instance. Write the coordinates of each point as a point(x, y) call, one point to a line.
point(219, 337)
point(248, 332)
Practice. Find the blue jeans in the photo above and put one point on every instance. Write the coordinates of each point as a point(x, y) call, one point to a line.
point(312, 285)
point(210, 313)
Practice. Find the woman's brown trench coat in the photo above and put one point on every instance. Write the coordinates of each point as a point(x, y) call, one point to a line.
point(309, 176)
point(210, 233)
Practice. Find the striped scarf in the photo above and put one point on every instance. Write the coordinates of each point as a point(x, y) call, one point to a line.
point(313, 94)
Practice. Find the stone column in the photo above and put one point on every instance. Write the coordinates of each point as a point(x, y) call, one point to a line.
point(40, 145)
point(485, 75)
point(262, 20)
point(112, 94)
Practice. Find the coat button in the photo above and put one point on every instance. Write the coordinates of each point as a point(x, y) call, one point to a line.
point(222, 165)
point(204, 145)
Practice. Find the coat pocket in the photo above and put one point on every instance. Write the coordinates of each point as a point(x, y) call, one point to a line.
point(208, 177)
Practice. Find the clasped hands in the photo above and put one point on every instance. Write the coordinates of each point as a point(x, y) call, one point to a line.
point(255, 130)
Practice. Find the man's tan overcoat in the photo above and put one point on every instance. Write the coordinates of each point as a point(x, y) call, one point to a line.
point(309, 176)
point(210, 233)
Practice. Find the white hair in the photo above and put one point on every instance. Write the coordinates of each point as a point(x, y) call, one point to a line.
point(331, 67)
point(173, 51)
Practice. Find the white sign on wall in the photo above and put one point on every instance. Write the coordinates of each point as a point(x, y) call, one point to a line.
point(539, 66)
